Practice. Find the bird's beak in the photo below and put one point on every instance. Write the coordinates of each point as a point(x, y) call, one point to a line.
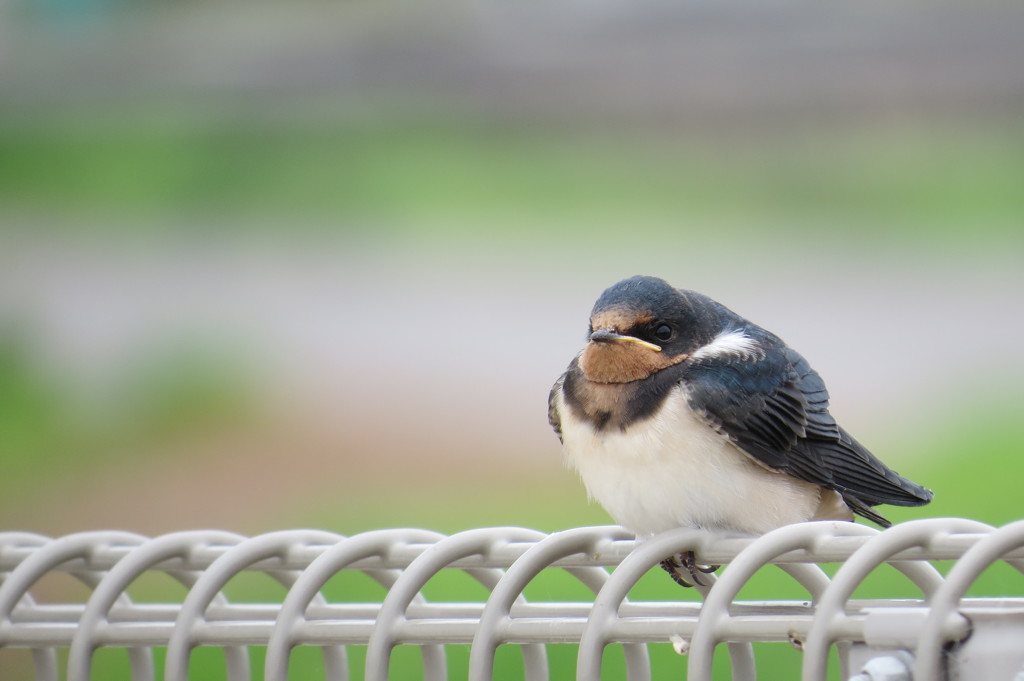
point(607, 336)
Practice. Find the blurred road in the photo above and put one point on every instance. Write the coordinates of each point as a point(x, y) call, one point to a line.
point(469, 340)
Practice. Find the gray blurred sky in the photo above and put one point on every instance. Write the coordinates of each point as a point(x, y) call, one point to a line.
point(707, 63)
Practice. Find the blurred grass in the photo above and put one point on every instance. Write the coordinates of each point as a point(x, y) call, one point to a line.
point(49, 431)
point(951, 184)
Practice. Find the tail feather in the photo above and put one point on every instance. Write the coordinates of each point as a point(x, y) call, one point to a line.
point(856, 472)
point(865, 511)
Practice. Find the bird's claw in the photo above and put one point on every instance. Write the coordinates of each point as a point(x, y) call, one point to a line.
point(685, 571)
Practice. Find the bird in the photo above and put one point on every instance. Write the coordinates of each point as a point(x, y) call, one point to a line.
point(680, 413)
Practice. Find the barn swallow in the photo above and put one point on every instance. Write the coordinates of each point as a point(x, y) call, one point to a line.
point(678, 412)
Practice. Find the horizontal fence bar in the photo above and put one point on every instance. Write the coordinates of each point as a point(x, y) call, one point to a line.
point(723, 552)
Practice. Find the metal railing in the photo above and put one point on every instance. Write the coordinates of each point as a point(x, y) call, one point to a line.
point(941, 631)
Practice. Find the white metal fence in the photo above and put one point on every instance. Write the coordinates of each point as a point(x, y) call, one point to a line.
point(940, 634)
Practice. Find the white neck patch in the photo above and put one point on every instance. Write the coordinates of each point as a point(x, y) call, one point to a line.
point(733, 342)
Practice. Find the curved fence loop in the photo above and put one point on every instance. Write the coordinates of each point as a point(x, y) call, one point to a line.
point(943, 614)
point(192, 616)
point(392, 617)
point(600, 627)
point(95, 621)
point(44, 659)
point(75, 551)
point(496, 621)
point(830, 614)
point(715, 617)
point(292, 621)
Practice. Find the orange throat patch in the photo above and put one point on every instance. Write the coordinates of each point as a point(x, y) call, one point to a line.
point(622, 362)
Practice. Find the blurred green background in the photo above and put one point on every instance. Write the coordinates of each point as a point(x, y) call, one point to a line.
point(267, 266)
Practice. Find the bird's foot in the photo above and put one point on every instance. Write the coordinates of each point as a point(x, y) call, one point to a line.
point(685, 571)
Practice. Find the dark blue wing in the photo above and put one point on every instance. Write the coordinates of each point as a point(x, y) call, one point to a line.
point(775, 409)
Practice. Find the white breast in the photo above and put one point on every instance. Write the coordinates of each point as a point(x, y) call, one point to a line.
point(673, 470)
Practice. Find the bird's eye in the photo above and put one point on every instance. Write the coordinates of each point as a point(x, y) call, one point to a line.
point(663, 333)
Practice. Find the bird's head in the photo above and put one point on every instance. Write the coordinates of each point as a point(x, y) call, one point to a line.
point(639, 326)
